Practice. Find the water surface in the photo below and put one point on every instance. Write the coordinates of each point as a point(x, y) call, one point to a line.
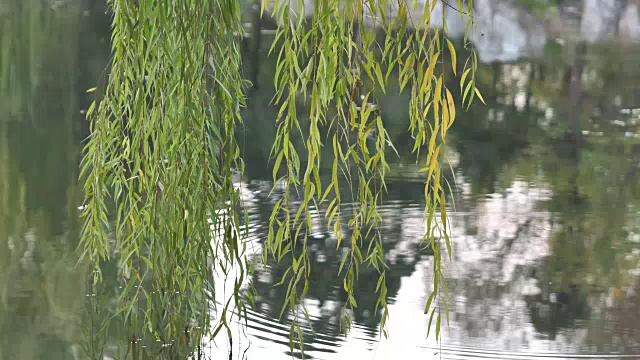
point(546, 224)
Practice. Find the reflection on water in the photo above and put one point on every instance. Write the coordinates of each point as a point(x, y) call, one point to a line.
point(46, 61)
point(546, 228)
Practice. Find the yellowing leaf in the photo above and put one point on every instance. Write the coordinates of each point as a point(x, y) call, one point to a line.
point(91, 90)
point(430, 69)
point(445, 119)
point(452, 107)
point(437, 95)
point(452, 51)
point(479, 96)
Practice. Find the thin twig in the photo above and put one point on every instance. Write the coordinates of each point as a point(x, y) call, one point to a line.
point(458, 10)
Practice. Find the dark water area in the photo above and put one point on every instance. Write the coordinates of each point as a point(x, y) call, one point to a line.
point(546, 224)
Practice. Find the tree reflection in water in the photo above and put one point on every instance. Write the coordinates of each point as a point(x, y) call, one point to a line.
point(546, 229)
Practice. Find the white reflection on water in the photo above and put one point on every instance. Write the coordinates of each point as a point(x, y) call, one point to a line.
point(489, 315)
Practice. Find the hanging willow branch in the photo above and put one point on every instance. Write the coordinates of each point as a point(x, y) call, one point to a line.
point(159, 162)
point(334, 62)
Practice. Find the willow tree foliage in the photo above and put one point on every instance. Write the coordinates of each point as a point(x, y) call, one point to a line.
point(160, 162)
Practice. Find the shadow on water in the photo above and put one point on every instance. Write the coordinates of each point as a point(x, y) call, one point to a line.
point(545, 229)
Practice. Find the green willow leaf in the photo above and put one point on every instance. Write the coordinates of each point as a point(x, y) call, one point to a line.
point(160, 163)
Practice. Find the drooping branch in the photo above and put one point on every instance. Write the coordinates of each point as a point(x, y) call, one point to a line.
point(159, 166)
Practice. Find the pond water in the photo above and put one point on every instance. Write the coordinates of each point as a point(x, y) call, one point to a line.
point(546, 229)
